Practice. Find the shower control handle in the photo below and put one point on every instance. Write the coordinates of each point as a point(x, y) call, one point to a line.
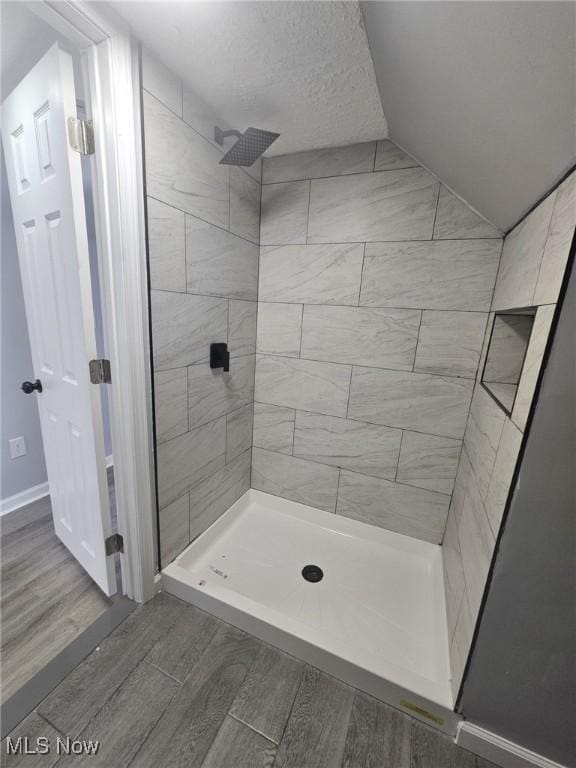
point(220, 356)
point(28, 387)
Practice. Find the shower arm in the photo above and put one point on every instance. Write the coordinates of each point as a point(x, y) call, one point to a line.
point(220, 135)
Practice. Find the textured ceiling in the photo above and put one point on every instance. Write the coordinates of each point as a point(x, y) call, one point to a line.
point(482, 93)
point(302, 69)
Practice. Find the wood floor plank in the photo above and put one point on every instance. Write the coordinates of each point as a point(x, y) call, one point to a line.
point(432, 749)
point(77, 699)
point(178, 651)
point(266, 698)
point(184, 734)
point(378, 736)
point(126, 719)
point(316, 731)
point(32, 727)
point(238, 746)
point(46, 598)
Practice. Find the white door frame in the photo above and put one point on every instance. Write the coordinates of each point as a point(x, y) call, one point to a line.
point(113, 74)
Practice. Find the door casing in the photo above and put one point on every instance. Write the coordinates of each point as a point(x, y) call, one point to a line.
point(112, 78)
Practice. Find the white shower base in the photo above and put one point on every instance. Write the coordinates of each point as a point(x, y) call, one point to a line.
point(376, 620)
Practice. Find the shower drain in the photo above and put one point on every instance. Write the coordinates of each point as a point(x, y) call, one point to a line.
point(313, 573)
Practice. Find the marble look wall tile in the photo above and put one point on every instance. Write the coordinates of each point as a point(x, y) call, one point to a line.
point(242, 316)
point(244, 205)
point(174, 529)
point(367, 448)
point(171, 401)
point(181, 167)
point(389, 157)
point(557, 248)
point(532, 364)
point(295, 479)
point(400, 508)
point(239, 431)
point(456, 221)
point(201, 116)
point(218, 263)
point(461, 485)
point(361, 336)
point(521, 258)
point(460, 646)
point(190, 458)
point(450, 343)
point(273, 427)
point(213, 496)
point(184, 326)
point(279, 329)
point(455, 274)
point(510, 335)
point(390, 205)
point(414, 401)
point(476, 544)
point(334, 161)
point(427, 461)
point(504, 466)
point(504, 393)
point(453, 573)
point(213, 393)
point(166, 247)
point(161, 82)
point(482, 436)
point(284, 213)
point(303, 384)
point(311, 274)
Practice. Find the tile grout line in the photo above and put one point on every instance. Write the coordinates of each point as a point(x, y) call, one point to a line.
point(452, 377)
point(252, 728)
point(361, 275)
point(199, 218)
point(418, 342)
point(436, 210)
point(159, 669)
point(361, 421)
point(399, 455)
point(356, 472)
point(301, 332)
point(308, 210)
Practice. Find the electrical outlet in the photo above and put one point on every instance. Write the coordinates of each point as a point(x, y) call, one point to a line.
point(17, 447)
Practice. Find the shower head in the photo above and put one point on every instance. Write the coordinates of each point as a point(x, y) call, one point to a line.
point(250, 145)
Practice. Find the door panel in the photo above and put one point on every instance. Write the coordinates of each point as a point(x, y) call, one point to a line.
point(45, 181)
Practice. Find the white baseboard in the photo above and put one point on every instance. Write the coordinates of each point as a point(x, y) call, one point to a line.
point(12, 503)
point(498, 750)
point(18, 500)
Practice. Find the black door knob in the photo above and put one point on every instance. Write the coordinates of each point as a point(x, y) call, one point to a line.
point(28, 387)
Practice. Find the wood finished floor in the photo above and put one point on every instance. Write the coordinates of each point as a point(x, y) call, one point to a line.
point(173, 687)
point(46, 598)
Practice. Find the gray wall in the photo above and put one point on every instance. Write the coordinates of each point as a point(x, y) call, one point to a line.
point(374, 289)
point(482, 93)
point(532, 267)
point(19, 412)
point(203, 226)
point(522, 677)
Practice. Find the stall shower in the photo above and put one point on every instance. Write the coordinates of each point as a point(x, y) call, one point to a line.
point(339, 491)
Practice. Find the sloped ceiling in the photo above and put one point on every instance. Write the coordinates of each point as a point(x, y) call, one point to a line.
point(482, 93)
point(302, 69)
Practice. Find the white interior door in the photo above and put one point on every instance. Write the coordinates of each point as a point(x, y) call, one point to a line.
point(45, 181)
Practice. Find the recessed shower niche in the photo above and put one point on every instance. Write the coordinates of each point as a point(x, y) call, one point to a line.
point(509, 338)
